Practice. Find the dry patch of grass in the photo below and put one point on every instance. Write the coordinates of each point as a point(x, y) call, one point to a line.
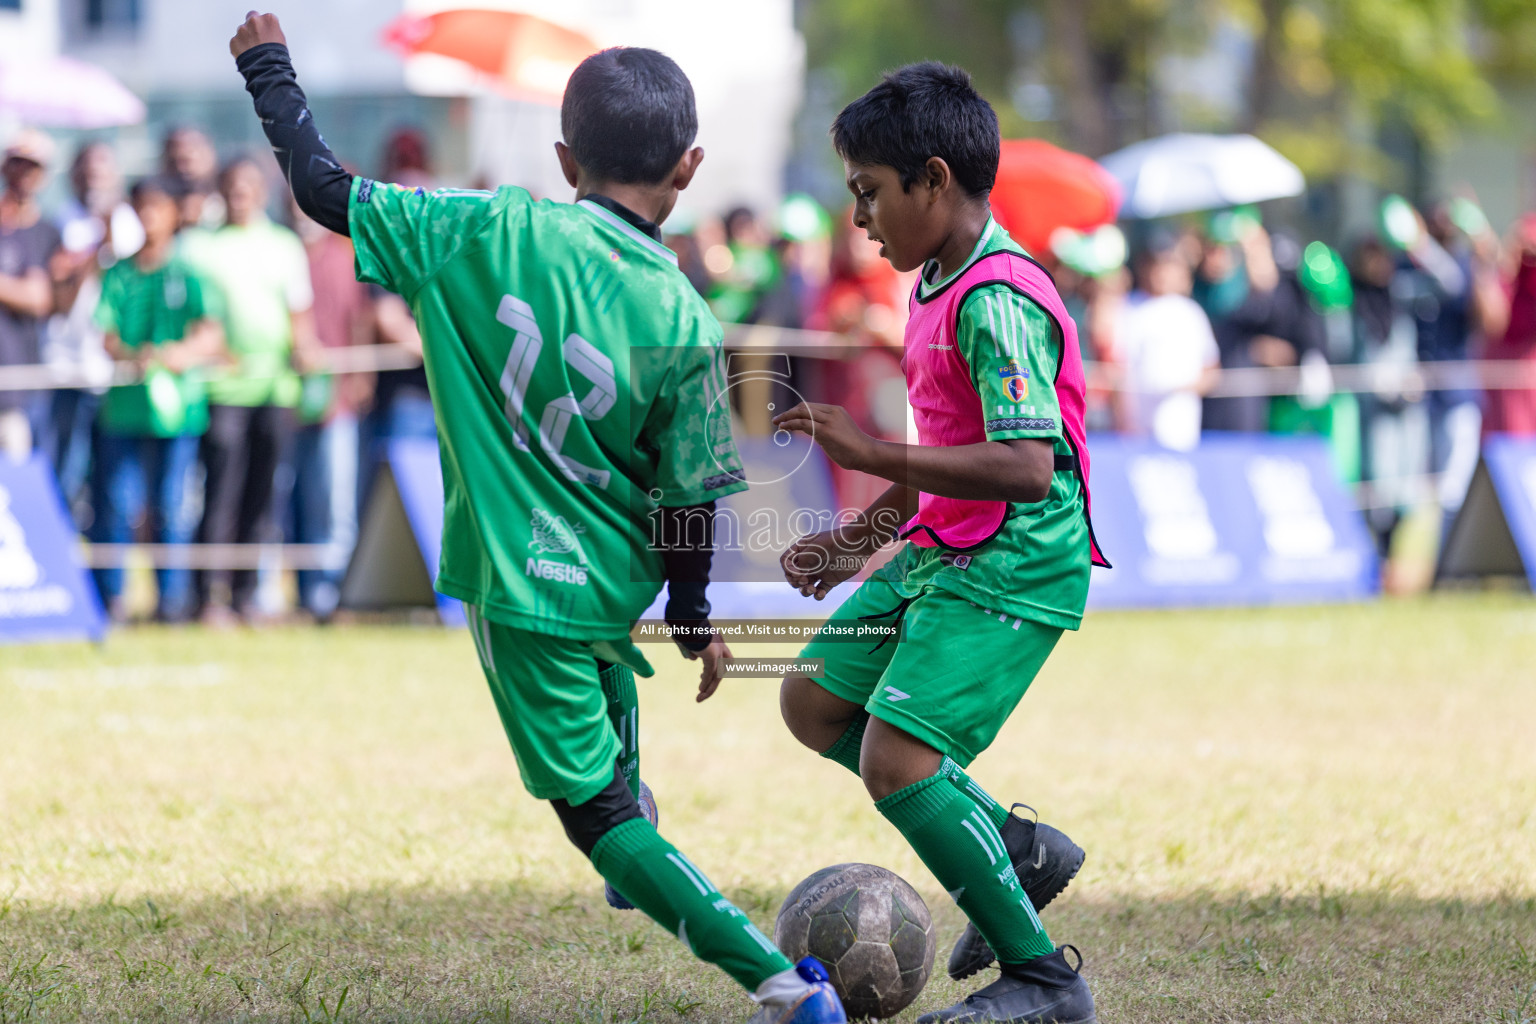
point(1291, 815)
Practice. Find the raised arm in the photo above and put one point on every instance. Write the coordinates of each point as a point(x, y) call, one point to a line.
point(320, 185)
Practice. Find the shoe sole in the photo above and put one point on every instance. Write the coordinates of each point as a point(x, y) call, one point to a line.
point(1062, 881)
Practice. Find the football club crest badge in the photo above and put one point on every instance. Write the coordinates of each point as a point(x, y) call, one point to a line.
point(1015, 379)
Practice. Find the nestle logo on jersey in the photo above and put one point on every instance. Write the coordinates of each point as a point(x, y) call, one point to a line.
point(556, 572)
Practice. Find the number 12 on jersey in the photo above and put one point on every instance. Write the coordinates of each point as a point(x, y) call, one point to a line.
point(579, 355)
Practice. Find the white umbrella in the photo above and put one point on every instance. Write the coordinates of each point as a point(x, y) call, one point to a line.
point(1184, 172)
point(58, 92)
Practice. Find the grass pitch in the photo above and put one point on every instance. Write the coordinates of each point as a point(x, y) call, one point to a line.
point(1323, 814)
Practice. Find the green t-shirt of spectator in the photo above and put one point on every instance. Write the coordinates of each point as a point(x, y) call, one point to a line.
point(261, 273)
point(740, 293)
point(154, 307)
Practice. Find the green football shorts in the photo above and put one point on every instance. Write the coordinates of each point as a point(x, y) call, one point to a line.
point(951, 677)
point(551, 704)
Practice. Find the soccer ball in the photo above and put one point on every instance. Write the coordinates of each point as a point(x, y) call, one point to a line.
point(869, 928)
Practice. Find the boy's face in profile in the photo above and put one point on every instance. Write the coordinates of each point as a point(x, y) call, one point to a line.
point(901, 220)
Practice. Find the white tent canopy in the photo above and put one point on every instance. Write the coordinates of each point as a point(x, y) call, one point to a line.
point(60, 92)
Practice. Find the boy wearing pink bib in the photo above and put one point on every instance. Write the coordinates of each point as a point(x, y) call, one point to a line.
point(993, 502)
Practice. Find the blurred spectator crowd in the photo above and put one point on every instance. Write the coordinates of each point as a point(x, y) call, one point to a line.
point(225, 434)
point(226, 302)
point(1210, 322)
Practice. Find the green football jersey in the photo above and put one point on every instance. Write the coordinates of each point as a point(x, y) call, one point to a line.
point(578, 383)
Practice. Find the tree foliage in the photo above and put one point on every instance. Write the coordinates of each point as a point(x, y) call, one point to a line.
point(1317, 66)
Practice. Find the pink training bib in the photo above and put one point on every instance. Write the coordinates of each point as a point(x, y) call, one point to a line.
point(947, 408)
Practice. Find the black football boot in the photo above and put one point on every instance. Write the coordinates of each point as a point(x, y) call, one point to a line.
point(1045, 990)
point(1045, 861)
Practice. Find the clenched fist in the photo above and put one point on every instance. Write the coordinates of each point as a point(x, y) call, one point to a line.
point(258, 29)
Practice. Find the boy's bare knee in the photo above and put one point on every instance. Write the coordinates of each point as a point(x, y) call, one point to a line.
point(883, 772)
point(792, 707)
point(815, 717)
point(892, 759)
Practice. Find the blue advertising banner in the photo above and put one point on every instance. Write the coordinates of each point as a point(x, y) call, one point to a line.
point(45, 592)
point(1241, 520)
point(1495, 530)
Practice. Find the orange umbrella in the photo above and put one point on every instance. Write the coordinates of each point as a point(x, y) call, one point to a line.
point(1041, 187)
point(529, 56)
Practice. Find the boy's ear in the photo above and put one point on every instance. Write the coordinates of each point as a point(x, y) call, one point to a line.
point(683, 173)
point(568, 165)
point(937, 175)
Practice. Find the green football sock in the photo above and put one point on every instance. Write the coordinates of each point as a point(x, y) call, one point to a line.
point(846, 750)
point(994, 811)
point(624, 712)
point(653, 876)
point(961, 847)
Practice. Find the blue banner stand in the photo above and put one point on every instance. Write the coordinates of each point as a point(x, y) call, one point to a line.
point(45, 590)
point(400, 539)
point(1241, 520)
point(1494, 533)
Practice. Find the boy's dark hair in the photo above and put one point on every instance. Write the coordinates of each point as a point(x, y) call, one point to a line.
point(166, 185)
point(738, 218)
point(628, 115)
point(922, 111)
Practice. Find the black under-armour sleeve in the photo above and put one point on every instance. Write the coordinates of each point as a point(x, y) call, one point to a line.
point(687, 548)
point(320, 184)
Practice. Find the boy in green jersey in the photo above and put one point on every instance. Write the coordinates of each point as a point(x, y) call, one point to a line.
point(578, 386)
point(157, 312)
point(994, 500)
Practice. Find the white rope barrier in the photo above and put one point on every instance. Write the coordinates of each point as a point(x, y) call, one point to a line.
point(1395, 380)
point(1384, 379)
point(1410, 381)
point(333, 362)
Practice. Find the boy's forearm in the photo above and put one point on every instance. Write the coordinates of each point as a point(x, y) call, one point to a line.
point(204, 342)
point(320, 185)
point(986, 471)
point(115, 348)
point(306, 342)
point(29, 293)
